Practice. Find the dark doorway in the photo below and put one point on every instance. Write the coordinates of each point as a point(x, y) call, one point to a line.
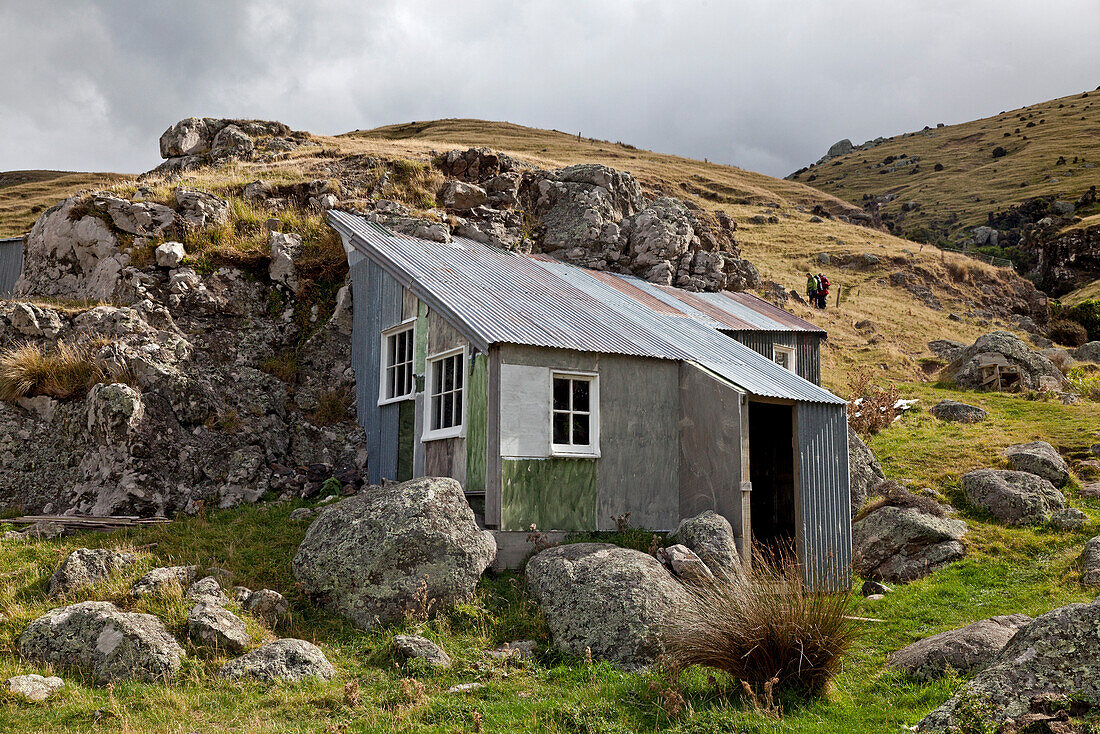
point(771, 470)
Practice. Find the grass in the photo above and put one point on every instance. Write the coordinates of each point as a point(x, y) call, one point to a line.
point(64, 372)
point(1007, 570)
point(24, 195)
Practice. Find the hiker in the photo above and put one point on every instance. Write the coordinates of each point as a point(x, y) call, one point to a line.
point(822, 291)
point(811, 289)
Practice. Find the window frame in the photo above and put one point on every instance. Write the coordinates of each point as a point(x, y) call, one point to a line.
point(456, 431)
point(792, 356)
point(384, 359)
point(592, 449)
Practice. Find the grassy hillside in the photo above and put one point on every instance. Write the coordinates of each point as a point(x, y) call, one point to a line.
point(26, 194)
point(1051, 148)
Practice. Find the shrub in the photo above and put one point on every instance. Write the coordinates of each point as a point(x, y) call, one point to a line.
point(937, 167)
point(872, 406)
point(1070, 333)
point(763, 628)
point(1086, 313)
point(1085, 381)
point(999, 151)
point(68, 371)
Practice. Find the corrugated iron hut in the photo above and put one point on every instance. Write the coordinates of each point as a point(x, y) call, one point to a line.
point(567, 398)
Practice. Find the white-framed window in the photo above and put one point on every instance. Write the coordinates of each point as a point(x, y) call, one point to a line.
point(784, 357)
point(397, 376)
point(574, 414)
point(446, 399)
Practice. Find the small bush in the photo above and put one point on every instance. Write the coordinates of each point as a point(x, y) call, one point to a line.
point(872, 406)
point(765, 628)
point(999, 152)
point(332, 407)
point(67, 371)
point(1085, 381)
point(1069, 333)
point(1086, 313)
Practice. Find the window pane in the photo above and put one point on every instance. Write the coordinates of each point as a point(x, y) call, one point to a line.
point(580, 430)
point(446, 367)
point(561, 428)
point(580, 395)
point(435, 413)
point(458, 409)
point(561, 393)
point(448, 413)
point(458, 372)
point(437, 378)
point(390, 386)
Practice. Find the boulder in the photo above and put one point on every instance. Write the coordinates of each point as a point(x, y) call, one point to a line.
point(170, 255)
point(142, 218)
point(1069, 519)
point(287, 659)
point(206, 589)
point(462, 196)
point(954, 411)
point(98, 638)
point(710, 537)
point(212, 626)
point(86, 566)
point(864, 471)
point(160, 580)
point(1090, 562)
point(901, 544)
point(34, 687)
point(611, 601)
point(1041, 459)
point(947, 349)
point(1089, 352)
point(190, 136)
point(1012, 497)
point(285, 249)
point(964, 650)
point(268, 605)
point(1055, 654)
point(378, 555)
point(415, 647)
point(840, 147)
point(684, 564)
point(1036, 371)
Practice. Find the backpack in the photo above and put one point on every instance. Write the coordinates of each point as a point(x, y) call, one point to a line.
point(823, 284)
point(811, 286)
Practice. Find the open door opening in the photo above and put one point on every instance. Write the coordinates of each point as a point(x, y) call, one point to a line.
point(771, 470)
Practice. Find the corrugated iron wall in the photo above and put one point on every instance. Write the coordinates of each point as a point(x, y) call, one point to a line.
point(824, 506)
point(11, 265)
point(377, 306)
point(807, 346)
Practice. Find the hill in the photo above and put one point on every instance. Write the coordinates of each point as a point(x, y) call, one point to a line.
point(26, 194)
point(935, 184)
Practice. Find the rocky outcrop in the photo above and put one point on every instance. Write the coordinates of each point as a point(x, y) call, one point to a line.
point(1068, 519)
point(287, 660)
point(202, 141)
point(87, 566)
point(1053, 655)
point(1041, 459)
point(1012, 497)
point(964, 650)
point(901, 544)
point(864, 471)
point(604, 599)
point(410, 548)
point(97, 638)
point(206, 590)
point(1036, 371)
point(710, 537)
point(415, 647)
point(956, 412)
point(1069, 260)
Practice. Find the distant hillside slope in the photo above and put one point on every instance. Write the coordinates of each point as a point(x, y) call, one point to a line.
point(26, 194)
point(959, 174)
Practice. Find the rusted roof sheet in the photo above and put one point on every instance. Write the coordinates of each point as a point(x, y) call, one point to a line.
point(494, 296)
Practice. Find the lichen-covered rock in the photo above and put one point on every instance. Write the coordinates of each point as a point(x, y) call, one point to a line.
point(212, 626)
point(160, 580)
point(1036, 371)
point(1090, 562)
point(609, 600)
point(864, 471)
point(1069, 519)
point(1089, 352)
point(86, 566)
point(684, 564)
point(288, 659)
point(415, 647)
point(954, 411)
point(1013, 497)
point(109, 644)
point(962, 650)
point(1055, 654)
point(199, 209)
point(462, 196)
point(285, 249)
point(901, 544)
point(268, 605)
point(377, 555)
point(206, 589)
point(1041, 459)
point(170, 254)
point(710, 536)
point(34, 687)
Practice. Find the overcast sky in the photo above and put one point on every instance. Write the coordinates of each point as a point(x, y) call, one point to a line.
point(765, 85)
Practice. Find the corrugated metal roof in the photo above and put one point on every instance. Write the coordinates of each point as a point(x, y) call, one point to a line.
point(498, 297)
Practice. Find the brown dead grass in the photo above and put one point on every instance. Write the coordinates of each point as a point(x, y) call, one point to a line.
point(65, 372)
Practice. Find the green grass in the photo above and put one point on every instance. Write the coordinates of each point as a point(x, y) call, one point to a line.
point(1008, 570)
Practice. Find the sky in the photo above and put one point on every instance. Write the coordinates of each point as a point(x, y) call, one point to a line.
point(766, 85)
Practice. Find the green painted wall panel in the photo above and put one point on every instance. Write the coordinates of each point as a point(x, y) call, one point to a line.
point(420, 351)
point(406, 438)
point(554, 494)
point(476, 420)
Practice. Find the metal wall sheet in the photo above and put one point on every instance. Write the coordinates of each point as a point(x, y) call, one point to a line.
point(11, 264)
point(806, 345)
point(825, 511)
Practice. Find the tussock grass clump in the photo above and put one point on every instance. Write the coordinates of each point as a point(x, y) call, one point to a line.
point(893, 493)
point(332, 407)
point(766, 628)
point(65, 372)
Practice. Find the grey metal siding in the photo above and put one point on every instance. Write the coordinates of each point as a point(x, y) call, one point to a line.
point(807, 346)
point(11, 264)
point(825, 535)
point(377, 300)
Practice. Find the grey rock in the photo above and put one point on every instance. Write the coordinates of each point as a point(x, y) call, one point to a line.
point(953, 410)
point(287, 659)
point(864, 471)
point(370, 557)
point(303, 514)
point(1089, 352)
point(201, 210)
point(284, 249)
point(610, 600)
point(1036, 371)
point(241, 594)
point(206, 589)
point(1055, 655)
point(1013, 497)
point(212, 626)
point(268, 605)
point(170, 254)
point(840, 147)
point(160, 580)
point(710, 536)
point(1090, 562)
point(142, 218)
point(1041, 459)
point(462, 196)
point(188, 137)
point(946, 348)
point(465, 687)
point(415, 647)
point(98, 638)
point(901, 544)
point(1070, 519)
point(964, 650)
point(86, 566)
point(34, 687)
point(684, 564)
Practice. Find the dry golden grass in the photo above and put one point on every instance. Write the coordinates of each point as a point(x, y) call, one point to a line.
point(24, 195)
point(1087, 293)
point(66, 371)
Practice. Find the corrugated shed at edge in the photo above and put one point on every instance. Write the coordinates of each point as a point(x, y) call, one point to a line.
point(11, 264)
point(825, 503)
